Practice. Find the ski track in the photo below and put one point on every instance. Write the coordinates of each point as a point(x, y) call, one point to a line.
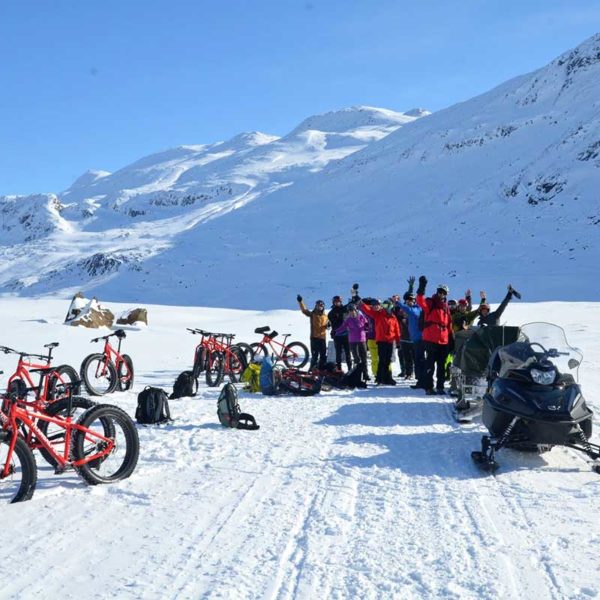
point(370, 494)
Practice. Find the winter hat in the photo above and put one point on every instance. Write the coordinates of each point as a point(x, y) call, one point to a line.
point(463, 302)
point(336, 299)
point(484, 305)
point(452, 303)
point(408, 296)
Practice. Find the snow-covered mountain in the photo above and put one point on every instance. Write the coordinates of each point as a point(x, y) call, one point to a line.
point(503, 187)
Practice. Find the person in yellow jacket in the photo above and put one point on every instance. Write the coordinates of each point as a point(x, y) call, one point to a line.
point(318, 332)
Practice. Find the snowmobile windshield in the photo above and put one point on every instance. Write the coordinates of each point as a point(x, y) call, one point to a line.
point(541, 342)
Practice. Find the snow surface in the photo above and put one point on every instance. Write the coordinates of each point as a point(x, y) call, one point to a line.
point(365, 494)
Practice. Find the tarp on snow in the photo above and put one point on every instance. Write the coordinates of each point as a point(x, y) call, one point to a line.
point(474, 347)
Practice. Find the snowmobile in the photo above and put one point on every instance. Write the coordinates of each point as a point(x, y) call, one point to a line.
point(534, 401)
point(473, 349)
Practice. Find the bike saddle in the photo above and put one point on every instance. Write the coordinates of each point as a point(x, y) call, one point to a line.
point(262, 329)
point(41, 370)
point(120, 333)
point(51, 345)
point(272, 335)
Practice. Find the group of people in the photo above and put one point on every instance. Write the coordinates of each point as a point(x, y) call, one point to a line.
point(422, 329)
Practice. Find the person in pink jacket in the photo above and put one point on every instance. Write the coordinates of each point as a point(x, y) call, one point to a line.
point(356, 326)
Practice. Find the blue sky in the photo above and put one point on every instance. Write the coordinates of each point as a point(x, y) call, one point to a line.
point(97, 84)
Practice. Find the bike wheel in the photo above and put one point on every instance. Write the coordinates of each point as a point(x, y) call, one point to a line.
point(55, 433)
point(199, 362)
point(260, 351)
point(60, 378)
point(295, 355)
point(98, 376)
point(125, 374)
point(115, 424)
point(246, 349)
point(215, 369)
point(236, 364)
point(19, 484)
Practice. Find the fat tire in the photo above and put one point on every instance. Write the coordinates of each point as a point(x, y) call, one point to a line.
point(247, 350)
point(56, 389)
point(300, 350)
point(107, 414)
point(215, 369)
point(235, 370)
point(89, 385)
point(199, 362)
point(60, 407)
point(259, 351)
point(27, 467)
point(121, 372)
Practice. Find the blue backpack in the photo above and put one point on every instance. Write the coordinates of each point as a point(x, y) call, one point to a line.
point(267, 383)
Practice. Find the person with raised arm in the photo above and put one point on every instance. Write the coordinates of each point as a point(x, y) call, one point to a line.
point(488, 318)
point(387, 331)
point(318, 332)
point(438, 336)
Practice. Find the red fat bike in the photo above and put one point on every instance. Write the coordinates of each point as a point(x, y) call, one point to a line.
point(102, 445)
point(294, 355)
point(104, 373)
point(52, 380)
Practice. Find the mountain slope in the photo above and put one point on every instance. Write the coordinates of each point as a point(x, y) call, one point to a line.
point(501, 188)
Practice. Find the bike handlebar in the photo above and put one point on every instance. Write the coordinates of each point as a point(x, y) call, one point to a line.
point(8, 350)
point(119, 333)
point(210, 333)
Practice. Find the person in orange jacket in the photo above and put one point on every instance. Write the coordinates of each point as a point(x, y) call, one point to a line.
point(387, 331)
point(318, 332)
point(438, 336)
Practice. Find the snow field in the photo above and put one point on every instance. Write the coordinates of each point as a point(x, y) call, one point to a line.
point(365, 494)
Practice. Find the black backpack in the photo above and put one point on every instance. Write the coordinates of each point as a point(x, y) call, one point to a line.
point(185, 385)
point(229, 413)
point(353, 378)
point(153, 406)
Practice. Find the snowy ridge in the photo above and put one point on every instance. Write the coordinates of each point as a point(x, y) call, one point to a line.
point(499, 188)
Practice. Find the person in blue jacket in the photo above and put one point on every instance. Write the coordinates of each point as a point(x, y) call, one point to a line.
point(413, 313)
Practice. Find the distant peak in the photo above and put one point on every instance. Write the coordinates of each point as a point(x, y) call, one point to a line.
point(89, 177)
point(351, 118)
point(251, 138)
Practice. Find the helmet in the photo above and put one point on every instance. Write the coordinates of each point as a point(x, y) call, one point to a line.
point(444, 288)
point(452, 303)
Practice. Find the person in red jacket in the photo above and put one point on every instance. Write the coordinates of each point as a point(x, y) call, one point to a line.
point(387, 331)
point(438, 336)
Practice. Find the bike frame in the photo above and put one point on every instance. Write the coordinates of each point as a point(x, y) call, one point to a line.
point(266, 340)
point(108, 352)
point(210, 341)
point(22, 372)
point(20, 416)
